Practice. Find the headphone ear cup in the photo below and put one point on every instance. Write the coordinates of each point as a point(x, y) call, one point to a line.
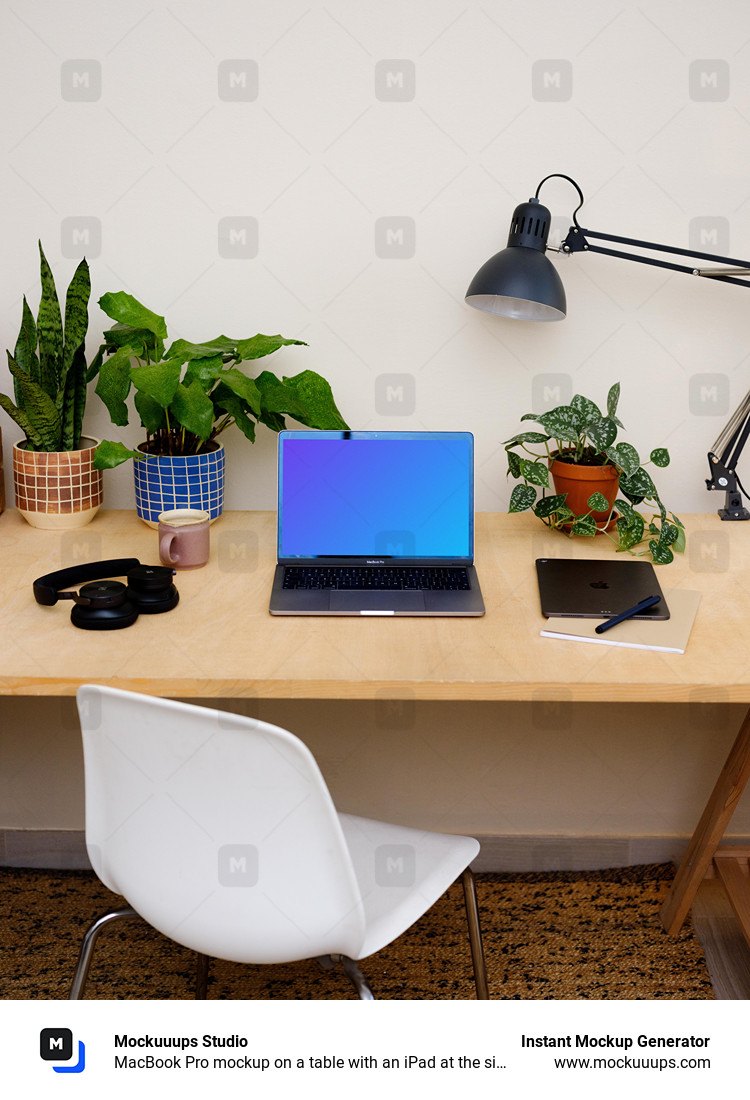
point(108, 607)
point(151, 590)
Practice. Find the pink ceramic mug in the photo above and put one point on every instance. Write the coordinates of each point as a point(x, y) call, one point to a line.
point(184, 538)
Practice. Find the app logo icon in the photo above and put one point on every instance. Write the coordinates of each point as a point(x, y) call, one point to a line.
point(56, 1045)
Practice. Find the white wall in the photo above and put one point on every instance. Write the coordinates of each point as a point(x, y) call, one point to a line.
point(132, 131)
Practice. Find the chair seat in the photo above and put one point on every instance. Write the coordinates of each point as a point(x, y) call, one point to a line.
point(401, 873)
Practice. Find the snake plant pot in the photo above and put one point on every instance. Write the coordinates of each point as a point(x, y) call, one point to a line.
point(165, 482)
point(57, 490)
point(580, 482)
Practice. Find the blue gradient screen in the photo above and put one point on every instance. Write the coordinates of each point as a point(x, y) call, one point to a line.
point(376, 494)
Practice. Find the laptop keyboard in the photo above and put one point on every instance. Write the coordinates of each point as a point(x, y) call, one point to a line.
point(402, 578)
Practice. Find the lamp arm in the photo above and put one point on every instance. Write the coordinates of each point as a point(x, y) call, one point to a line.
point(577, 241)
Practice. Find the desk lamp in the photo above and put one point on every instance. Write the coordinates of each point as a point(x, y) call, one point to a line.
point(521, 282)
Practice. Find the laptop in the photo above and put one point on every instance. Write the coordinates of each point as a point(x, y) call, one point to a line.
point(585, 588)
point(375, 523)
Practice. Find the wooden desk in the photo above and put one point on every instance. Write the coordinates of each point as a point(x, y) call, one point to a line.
point(221, 641)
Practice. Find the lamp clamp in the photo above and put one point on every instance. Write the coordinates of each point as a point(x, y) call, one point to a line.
point(725, 480)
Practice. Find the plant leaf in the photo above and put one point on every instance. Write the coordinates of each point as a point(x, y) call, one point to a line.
point(39, 409)
point(597, 502)
point(108, 455)
point(630, 530)
point(144, 343)
point(514, 463)
point(224, 399)
point(660, 457)
point(157, 380)
point(25, 351)
point(527, 437)
point(588, 410)
point(562, 423)
point(128, 310)
point(660, 554)
point(602, 433)
point(244, 387)
point(76, 318)
point(150, 412)
point(20, 417)
point(96, 364)
point(313, 402)
point(613, 398)
point(259, 345)
point(49, 331)
point(74, 401)
point(185, 352)
point(547, 505)
point(668, 534)
point(113, 384)
point(625, 507)
point(535, 472)
point(193, 409)
point(205, 371)
point(522, 497)
point(584, 525)
point(626, 457)
point(638, 487)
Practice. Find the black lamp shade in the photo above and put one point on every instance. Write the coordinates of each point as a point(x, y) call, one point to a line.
point(520, 281)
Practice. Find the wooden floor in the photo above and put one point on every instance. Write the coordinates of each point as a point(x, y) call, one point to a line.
point(726, 949)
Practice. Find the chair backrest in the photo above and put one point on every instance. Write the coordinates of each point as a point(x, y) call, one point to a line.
point(218, 829)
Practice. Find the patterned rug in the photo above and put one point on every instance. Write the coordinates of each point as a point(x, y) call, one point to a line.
point(575, 935)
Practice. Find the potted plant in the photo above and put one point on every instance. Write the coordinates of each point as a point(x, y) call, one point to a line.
point(55, 482)
point(589, 468)
point(186, 396)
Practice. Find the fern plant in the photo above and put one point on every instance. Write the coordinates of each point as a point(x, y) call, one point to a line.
point(48, 365)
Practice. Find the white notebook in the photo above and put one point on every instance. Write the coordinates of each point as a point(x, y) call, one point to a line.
point(668, 635)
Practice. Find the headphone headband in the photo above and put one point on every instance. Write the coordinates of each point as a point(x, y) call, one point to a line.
point(47, 589)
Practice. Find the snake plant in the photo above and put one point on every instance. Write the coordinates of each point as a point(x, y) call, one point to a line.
point(49, 365)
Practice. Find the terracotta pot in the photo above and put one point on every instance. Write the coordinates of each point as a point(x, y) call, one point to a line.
point(579, 482)
point(57, 490)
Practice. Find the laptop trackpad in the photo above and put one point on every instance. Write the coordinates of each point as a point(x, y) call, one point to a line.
point(398, 602)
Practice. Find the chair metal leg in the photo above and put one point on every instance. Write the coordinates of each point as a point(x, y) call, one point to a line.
point(203, 963)
point(356, 977)
point(87, 949)
point(475, 934)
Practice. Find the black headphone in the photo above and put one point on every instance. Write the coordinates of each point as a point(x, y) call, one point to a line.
point(105, 604)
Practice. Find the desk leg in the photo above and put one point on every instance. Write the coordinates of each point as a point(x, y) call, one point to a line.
point(711, 827)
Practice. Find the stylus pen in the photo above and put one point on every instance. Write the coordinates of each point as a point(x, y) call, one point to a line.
point(648, 602)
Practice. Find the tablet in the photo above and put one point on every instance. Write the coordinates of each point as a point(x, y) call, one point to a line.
point(586, 588)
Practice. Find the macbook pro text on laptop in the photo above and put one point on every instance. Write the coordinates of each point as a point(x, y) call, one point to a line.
point(375, 523)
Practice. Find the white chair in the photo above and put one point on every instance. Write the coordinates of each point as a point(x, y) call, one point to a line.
point(220, 832)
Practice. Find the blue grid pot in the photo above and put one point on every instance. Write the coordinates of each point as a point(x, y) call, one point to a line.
point(163, 482)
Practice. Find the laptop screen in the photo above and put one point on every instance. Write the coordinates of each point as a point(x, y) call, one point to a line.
point(376, 495)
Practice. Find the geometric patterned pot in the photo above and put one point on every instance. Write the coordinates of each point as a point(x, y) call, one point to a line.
point(164, 482)
point(57, 490)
